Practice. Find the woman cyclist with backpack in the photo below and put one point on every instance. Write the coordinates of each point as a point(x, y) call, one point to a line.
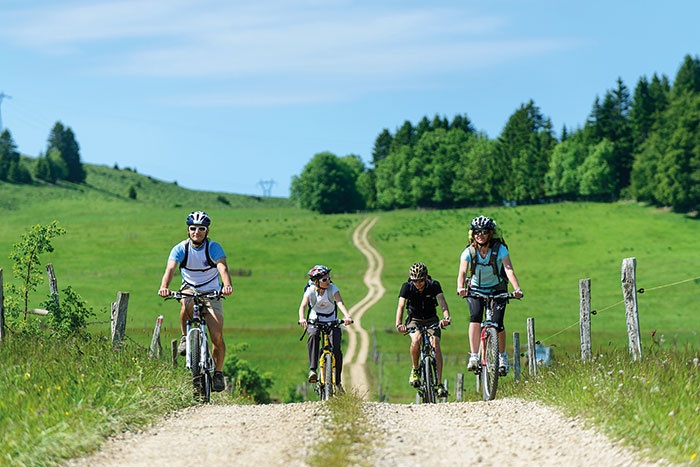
point(485, 266)
point(322, 299)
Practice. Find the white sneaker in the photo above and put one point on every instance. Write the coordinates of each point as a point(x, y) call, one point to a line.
point(503, 364)
point(473, 362)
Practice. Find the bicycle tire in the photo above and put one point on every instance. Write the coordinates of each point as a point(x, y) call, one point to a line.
point(206, 387)
point(327, 377)
point(429, 380)
point(194, 338)
point(489, 370)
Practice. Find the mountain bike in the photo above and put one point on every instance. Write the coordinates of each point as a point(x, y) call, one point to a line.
point(326, 383)
point(198, 358)
point(428, 381)
point(487, 372)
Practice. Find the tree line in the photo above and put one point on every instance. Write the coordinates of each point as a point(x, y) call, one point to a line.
point(61, 161)
point(643, 145)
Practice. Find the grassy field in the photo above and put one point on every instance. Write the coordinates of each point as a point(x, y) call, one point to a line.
point(115, 244)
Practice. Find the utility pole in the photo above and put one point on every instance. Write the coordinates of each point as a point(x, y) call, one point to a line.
point(266, 186)
point(2, 96)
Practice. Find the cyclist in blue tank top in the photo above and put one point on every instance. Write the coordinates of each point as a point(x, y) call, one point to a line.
point(480, 272)
point(202, 262)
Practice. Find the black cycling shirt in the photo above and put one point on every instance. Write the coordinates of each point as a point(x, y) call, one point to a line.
point(421, 305)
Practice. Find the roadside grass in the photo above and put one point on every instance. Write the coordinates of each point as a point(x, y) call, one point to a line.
point(652, 404)
point(347, 435)
point(63, 397)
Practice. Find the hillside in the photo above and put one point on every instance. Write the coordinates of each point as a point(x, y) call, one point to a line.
point(113, 183)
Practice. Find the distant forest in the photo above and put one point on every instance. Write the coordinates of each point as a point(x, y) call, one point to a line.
point(642, 146)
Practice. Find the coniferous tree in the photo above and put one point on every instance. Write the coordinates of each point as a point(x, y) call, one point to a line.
point(463, 123)
point(382, 146)
point(9, 155)
point(423, 127)
point(440, 122)
point(42, 170)
point(63, 140)
point(522, 155)
point(688, 77)
point(405, 136)
point(678, 171)
point(609, 120)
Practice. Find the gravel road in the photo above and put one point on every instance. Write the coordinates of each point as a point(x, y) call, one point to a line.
point(502, 432)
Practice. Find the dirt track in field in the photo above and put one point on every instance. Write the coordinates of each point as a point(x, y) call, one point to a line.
point(355, 357)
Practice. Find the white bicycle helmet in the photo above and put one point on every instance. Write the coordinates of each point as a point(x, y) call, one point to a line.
point(198, 218)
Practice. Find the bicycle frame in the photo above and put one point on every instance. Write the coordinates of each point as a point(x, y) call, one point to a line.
point(487, 372)
point(326, 384)
point(427, 387)
point(198, 358)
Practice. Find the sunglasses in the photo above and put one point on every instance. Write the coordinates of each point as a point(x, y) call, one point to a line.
point(194, 228)
point(418, 281)
point(482, 232)
point(324, 279)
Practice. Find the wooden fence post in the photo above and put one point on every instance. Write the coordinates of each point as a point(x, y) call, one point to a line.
point(584, 287)
point(119, 309)
point(459, 387)
point(629, 293)
point(532, 358)
point(156, 348)
point(2, 310)
point(53, 285)
point(516, 356)
point(173, 351)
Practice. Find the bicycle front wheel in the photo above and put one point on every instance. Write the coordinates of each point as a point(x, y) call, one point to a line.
point(194, 338)
point(327, 377)
point(429, 376)
point(489, 369)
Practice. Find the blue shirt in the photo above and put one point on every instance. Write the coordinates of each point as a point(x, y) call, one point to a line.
point(484, 279)
point(198, 273)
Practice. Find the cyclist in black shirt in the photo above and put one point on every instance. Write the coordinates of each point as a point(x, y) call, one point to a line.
point(421, 295)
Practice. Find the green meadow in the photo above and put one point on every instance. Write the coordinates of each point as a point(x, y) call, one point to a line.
point(116, 244)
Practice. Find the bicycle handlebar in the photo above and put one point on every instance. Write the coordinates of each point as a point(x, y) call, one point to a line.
point(210, 294)
point(475, 294)
point(335, 323)
point(422, 327)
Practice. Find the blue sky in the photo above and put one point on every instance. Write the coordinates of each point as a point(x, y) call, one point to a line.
point(219, 95)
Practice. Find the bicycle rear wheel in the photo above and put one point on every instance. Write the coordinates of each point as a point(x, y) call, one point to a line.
point(489, 369)
point(429, 375)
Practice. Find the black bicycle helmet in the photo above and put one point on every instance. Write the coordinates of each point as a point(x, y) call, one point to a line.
point(417, 271)
point(483, 222)
point(198, 218)
point(318, 271)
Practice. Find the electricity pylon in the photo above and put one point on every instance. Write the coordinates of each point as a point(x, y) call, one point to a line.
point(266, 186)
point(2, 96)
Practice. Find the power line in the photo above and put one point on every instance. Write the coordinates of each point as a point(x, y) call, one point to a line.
point(2, 96)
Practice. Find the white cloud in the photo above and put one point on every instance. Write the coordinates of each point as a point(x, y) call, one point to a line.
point(280, 43)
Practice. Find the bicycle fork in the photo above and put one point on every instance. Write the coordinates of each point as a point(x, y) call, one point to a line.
point(322, 363)
point(200, 328)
